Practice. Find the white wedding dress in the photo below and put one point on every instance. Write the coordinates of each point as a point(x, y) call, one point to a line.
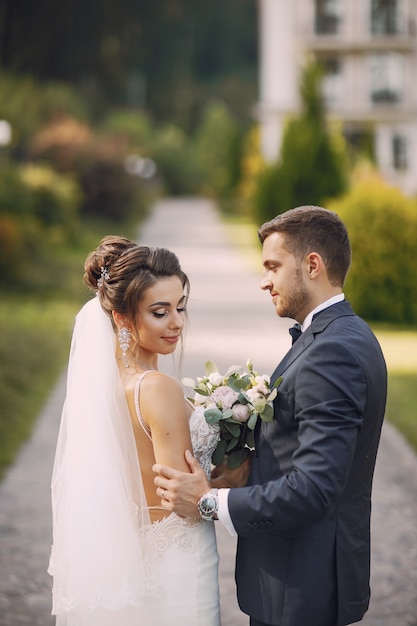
point(110, 565)
point(183, 557)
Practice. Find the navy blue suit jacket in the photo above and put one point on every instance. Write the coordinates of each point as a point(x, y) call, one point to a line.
point(304, 518)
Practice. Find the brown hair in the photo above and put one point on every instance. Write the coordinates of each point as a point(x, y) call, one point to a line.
point(121, 270)
point(314, 229)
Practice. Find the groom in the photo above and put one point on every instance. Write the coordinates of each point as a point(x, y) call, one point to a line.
point(303, 520)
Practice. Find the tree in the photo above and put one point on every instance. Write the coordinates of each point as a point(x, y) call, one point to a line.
point(312, 165)
point(158, 54)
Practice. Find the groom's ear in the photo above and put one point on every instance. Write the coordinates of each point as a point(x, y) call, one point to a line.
point(315, 265)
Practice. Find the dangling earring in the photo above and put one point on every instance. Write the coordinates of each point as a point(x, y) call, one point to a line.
point(124, 336)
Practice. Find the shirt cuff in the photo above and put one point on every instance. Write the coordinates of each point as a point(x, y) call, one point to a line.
point(223, 512)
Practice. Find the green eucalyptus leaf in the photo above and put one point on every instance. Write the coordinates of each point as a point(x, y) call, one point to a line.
point(250, 439)
point(232, 444)
point(242, 399)
point(235, 459)
point(242, 383)
point(278, 382)
point(268, 414)
point(213, 416)
point(252, 421)
point(227, 414)
point(233, 428)
point(218, 455)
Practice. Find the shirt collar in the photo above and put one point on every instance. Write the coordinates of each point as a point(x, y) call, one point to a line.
point(324, 305)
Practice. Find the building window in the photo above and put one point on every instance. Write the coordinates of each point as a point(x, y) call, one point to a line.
point(387, 78)
point(332, 79)
point(399, 152)
point(385, 17)
point(327, 17)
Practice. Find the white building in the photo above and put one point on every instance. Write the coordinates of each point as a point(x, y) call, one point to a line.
point(369, 51)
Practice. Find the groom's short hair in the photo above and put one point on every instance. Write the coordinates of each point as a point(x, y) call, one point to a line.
point(314, 229)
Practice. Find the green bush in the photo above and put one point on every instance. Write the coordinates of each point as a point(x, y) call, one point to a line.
point(38, 213)
point(26, 105)
point(217, 149)
point(55, 199)
point(135, 127)
point(171, 150)
point(96, 162)
point(382, 225)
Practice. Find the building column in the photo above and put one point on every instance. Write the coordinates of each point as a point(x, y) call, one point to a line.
point(279, 71)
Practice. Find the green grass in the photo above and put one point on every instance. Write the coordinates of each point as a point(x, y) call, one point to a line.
point(400, 351)
point(34, 343)
point(402, 404)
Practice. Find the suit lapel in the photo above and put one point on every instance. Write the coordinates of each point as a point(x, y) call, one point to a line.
point(318, 325)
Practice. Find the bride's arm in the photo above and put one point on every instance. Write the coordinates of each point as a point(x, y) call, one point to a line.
point(164, 410)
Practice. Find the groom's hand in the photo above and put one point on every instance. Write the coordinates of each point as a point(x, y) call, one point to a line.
point(180, 491)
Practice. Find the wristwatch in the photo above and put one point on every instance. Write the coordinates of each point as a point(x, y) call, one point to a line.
point(208, 505)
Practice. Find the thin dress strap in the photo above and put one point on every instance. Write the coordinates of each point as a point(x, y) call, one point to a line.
point(145, 426)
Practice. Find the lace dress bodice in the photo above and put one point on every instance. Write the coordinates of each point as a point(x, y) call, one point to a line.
point(204, 438)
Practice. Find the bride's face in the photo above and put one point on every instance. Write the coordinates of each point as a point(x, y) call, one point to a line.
point(161, 316)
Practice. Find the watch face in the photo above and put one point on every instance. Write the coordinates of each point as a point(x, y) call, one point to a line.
point(207, 506)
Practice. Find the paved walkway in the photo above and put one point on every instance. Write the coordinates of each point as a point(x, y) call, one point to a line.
point(231, 320)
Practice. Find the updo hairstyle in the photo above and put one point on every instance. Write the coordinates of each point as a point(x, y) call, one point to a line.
point(121, 270)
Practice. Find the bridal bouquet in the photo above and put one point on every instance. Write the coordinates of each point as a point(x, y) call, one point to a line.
point(234, 401)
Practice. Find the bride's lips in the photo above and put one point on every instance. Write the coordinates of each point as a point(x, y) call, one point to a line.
point(173, 339)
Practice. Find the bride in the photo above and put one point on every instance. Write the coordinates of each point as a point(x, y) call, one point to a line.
point(118, 558)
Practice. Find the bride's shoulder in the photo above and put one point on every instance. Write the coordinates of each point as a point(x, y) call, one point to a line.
point(158, 383)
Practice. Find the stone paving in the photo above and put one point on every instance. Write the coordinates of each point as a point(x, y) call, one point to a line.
point(230, 320)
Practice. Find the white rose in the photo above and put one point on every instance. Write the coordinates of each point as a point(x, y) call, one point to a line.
point(215, 379)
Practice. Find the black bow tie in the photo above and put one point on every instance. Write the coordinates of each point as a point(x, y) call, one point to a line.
point(295, 331)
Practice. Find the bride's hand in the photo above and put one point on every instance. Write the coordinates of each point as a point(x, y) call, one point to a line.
point(222, 476)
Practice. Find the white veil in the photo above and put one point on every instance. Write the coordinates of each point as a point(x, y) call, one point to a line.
point(98, 501)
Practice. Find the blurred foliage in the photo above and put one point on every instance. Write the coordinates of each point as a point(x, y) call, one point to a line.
point(27, 104)
point(55, 199)
point(171, 149)
point(96, 162)
point(217, 150)
point(160, 55)
point(252, 167)
point(382, 225)
point(312, 166)
point(38, 213)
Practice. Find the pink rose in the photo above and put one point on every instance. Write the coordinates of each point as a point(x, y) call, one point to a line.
point(241, 412)
point(224, 397)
